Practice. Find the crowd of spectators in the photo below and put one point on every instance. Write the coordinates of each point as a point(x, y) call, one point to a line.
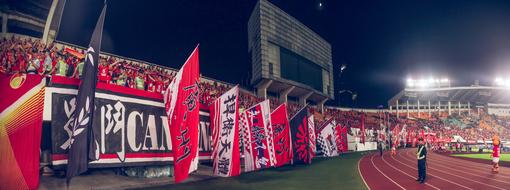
point(29, 55)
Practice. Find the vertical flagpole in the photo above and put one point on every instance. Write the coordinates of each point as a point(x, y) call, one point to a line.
point(82, 130)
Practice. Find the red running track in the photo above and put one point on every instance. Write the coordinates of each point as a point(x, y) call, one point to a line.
point(443, 172)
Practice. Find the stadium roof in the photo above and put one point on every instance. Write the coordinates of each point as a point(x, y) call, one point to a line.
point(473, 94)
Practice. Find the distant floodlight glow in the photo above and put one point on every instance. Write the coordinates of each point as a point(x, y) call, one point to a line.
point(502, 82)
point(427, 82)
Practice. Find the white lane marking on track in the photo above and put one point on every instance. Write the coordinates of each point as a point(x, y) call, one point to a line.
point(477, 174)
point(455, 175)
point(412, 177)
point(431, 174)
point(475, 164)
point(372, 160)
point(362, 174)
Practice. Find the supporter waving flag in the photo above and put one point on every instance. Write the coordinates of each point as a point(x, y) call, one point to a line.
point(224, 114)
point(182, 108)
point(79, 154)
point(281, 132)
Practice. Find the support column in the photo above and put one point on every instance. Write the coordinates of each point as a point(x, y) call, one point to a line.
point(5, 18)
point(459, 107)
point(449, 108)
point(321, 105)
point(397, 108)
point(302, 99)
point(262, 88)
point(430, 114)
point(48, 21)
point(469, 108)
point(419, 109)
point(439, 107)
point(284, 93)
point(407, 105)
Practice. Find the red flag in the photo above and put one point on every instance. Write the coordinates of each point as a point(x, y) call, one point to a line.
point(257, 137)
point(396, 132)
point(21, 112)
point(182, 106)
point(344, 147)
point(362, 128)
point(339, 138)
point(281, 133)
point(224, 114)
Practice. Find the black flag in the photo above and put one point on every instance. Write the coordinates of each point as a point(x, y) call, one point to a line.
point(78, 155)
point(300, 137)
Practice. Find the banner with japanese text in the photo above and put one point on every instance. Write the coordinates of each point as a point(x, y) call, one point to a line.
point(282, 141)
point(182, 104)
point(259, 150)
point(224, 114)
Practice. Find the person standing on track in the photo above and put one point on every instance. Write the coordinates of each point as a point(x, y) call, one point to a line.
point(380, 148)
point(421, 156)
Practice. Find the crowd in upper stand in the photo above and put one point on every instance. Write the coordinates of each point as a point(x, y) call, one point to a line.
point(29, 55)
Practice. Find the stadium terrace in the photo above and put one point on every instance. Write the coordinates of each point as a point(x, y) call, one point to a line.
point(77, 117)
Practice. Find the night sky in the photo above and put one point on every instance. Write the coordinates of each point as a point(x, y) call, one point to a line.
point(382, 42)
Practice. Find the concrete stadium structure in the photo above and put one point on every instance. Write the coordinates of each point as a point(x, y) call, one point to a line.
point(288, 59)
point(451, 99)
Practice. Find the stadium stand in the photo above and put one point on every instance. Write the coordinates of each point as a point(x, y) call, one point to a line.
point(22, 54)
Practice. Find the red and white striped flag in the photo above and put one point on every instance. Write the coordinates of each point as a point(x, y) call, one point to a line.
point(311, 132)
point(224, 114)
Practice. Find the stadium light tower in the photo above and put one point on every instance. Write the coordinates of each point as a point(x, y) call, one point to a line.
point(342, 68)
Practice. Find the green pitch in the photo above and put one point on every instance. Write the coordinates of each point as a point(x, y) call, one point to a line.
point(503, 157)
point(324, 173)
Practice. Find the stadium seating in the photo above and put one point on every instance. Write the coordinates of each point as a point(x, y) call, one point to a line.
point(29, 55)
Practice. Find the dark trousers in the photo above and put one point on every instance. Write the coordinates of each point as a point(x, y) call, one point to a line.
point(422, 172)
point(380, 151)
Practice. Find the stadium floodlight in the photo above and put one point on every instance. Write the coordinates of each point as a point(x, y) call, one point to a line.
point(427, 83)
point(502, 82)
point(444, 80)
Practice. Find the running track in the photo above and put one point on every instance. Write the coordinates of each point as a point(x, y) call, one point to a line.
point(443, 172)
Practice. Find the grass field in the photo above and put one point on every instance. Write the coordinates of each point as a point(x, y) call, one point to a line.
point(324, 173)
point(503, 157)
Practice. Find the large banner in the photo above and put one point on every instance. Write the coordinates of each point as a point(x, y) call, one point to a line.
point(132, 123)
point(225, 134)
point(21, 109)
point(341, 138)
point(257, 135)
point(281, 129)
point(326, 139)
point(300, 137)
point(182, 104)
